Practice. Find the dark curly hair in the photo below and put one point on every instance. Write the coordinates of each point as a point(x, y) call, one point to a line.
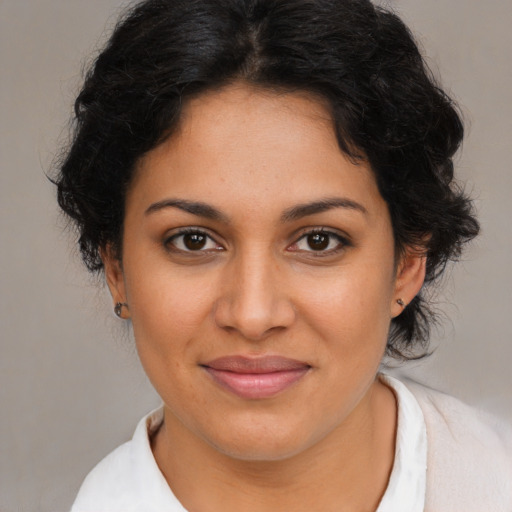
point(387, 109)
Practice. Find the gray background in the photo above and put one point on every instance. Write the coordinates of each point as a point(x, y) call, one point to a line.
point(71, 388)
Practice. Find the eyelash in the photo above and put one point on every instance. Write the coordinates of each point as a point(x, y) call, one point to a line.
point(169, 242)
point(342, 242)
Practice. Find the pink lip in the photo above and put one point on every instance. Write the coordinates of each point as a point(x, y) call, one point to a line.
point(254, 378)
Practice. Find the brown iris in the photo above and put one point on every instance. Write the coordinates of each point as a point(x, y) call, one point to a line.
point(194, 241)
point(318, 241)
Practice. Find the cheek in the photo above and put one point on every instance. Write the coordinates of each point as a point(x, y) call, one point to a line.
point(168, 309)
point(169, 315)
point(350, 308)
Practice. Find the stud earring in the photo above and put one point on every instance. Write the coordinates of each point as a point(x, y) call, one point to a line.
point(119, 307)
point(400, 302)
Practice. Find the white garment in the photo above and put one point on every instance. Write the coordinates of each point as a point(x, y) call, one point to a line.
point(469, 459)
point(469, 463)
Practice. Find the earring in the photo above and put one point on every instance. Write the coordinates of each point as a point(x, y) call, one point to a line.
point(119, 307)
point(400, 302)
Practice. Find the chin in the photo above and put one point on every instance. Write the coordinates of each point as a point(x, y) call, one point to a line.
point(261, 451)
point(264, 442)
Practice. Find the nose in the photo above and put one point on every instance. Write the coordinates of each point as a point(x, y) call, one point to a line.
point(254, 301)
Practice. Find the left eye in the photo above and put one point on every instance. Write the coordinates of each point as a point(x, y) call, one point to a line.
point(192, 241)
point(319, 241)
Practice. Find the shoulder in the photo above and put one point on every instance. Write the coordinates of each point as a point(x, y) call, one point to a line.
point(109, 484)
point(449, 418)
point(128, 479)
point(469, 456)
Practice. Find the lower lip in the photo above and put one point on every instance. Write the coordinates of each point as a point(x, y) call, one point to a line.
point(257, 385)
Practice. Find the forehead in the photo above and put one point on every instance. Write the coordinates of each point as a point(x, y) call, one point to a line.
point(256, 108)
point(255, 147)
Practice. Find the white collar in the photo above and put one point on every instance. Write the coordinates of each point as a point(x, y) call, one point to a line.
point(407, 483)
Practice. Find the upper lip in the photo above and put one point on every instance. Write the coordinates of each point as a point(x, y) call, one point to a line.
point(264, 364)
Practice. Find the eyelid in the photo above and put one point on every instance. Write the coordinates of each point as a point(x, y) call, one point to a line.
point(343, 239)
point(174, 234)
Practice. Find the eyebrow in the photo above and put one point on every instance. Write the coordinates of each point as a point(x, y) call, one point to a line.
point(323, 205)
point(194, 207)
point(294, 213)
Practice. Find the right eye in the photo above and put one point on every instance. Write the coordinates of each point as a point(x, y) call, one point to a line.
point(192, 241)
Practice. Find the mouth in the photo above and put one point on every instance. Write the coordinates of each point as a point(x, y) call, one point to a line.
point(256, 378)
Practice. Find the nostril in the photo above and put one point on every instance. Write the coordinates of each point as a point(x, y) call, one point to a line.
point(254, 321)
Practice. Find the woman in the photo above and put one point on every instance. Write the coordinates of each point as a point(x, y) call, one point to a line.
point(268, 188)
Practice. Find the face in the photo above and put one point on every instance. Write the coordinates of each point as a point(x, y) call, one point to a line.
point(259, 271)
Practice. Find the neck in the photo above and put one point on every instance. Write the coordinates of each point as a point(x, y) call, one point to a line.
point(346, 470)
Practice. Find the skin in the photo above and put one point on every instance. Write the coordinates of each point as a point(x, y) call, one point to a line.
point(258, 288)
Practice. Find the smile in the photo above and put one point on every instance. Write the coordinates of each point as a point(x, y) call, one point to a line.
point(256, 378)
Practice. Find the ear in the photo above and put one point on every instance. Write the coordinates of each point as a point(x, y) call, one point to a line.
point(115, 278)
point(409, 279)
